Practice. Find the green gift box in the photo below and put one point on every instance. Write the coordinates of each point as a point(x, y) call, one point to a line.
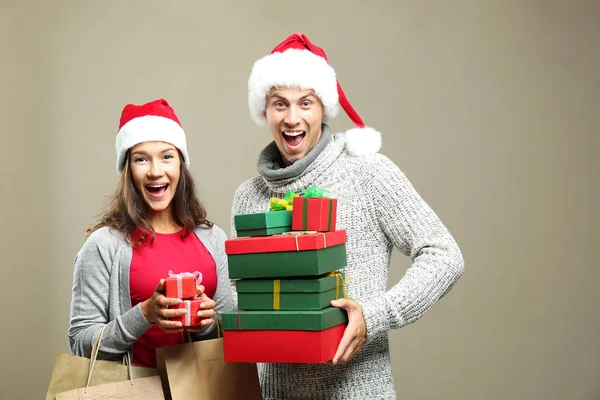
point(289, 294)
point(263, 224)
point(284, 320)
point(288, 263)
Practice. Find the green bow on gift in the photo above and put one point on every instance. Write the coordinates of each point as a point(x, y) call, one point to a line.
point(314, 191)
point(276, 204)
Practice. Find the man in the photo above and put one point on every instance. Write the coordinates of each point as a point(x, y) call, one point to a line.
point(294, 91)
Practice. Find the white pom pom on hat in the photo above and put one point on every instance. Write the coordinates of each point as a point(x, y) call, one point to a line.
point(296, 62)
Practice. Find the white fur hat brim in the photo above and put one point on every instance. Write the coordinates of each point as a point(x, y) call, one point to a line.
point(150, 128)
point(292, 68)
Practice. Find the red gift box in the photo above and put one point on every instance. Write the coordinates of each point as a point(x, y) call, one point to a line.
point(191, 317)
point(284, 242)
point(275, 346)
point(182, 285)
point(314, 214)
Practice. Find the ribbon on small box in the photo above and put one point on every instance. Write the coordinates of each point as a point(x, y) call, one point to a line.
point(188, 314)
point(197, 275)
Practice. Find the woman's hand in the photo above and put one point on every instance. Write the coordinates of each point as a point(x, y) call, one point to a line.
point(156, 312)
point(207, 311)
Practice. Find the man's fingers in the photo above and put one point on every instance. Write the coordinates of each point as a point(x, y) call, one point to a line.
point(350, 351)
point(344, 304)
point(346, 339)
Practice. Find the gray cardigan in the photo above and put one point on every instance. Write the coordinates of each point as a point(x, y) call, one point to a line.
point(101, 295)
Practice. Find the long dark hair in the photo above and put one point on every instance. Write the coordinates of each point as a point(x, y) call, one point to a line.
point(127, 210)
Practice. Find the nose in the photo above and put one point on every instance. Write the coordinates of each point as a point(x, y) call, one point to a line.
point(292, 117)
point(155, 170)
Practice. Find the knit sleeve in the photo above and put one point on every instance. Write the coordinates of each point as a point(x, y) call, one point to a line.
point(90, 301)
point(413, 228)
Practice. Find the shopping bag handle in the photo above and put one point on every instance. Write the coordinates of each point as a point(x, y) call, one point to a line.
point(219, 324)
point(94, 356)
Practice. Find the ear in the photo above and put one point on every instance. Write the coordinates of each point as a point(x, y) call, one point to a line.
point(362, 141)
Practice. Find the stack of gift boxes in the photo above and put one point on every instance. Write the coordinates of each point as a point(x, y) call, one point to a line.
point(183, 286)
point(286, 265)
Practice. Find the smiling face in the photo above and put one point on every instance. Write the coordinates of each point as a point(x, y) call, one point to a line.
point(155, 170)
point(294, 117)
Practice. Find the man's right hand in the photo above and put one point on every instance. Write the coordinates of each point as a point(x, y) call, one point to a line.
point(156, 312)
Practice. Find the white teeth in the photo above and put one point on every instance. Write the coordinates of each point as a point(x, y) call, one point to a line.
point(293, 133)
point(156, 186)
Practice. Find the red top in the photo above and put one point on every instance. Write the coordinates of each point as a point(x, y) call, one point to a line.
point(152, 261)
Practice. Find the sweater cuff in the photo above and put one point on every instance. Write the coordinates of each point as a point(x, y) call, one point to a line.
point(376, 317)
point(135, 322)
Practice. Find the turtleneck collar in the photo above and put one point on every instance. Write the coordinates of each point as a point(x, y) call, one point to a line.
point(303, 172)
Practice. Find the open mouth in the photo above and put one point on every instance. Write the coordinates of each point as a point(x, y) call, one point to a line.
point(293, 138)
point(157, 190)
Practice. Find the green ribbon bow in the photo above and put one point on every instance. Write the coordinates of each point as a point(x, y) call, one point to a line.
point(314, 191)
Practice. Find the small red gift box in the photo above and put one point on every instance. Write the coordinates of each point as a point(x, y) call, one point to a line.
point(314, 214)
point(276, 346)
point(190, 318)
point(182, 285)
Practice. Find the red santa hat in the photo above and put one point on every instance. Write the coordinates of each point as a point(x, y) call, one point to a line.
point(151, 122)
point(296, 62)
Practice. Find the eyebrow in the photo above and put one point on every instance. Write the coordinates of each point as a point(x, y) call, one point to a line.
point(143, 153)
point(279, 96)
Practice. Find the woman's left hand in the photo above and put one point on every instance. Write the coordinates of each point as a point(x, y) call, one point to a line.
point(207, 311)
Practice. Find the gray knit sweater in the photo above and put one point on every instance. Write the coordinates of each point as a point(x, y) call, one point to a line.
point(380, 210)
point(101, 295)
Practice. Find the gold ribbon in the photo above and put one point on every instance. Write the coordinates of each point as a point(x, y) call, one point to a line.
point(299, 233)
point(340, 278)
point(276, 294)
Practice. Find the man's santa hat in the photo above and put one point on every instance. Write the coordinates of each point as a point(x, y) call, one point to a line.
point(151, 122)
point(296, 62)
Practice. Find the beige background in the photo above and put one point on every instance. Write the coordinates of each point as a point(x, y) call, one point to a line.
point(492, 109)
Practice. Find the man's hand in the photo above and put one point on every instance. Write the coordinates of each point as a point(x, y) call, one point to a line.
point(355, 334)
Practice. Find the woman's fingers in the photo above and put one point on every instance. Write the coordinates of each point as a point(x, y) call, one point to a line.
point(171, 312)
point(203, 324)
point(206, 313)
point(207, 302)
point(166, 324)
point(163, 301)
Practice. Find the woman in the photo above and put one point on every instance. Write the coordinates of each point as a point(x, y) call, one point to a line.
point(153, 225)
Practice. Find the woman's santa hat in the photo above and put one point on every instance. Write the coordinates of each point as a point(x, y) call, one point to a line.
point(296, 62)
point(151, 122)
